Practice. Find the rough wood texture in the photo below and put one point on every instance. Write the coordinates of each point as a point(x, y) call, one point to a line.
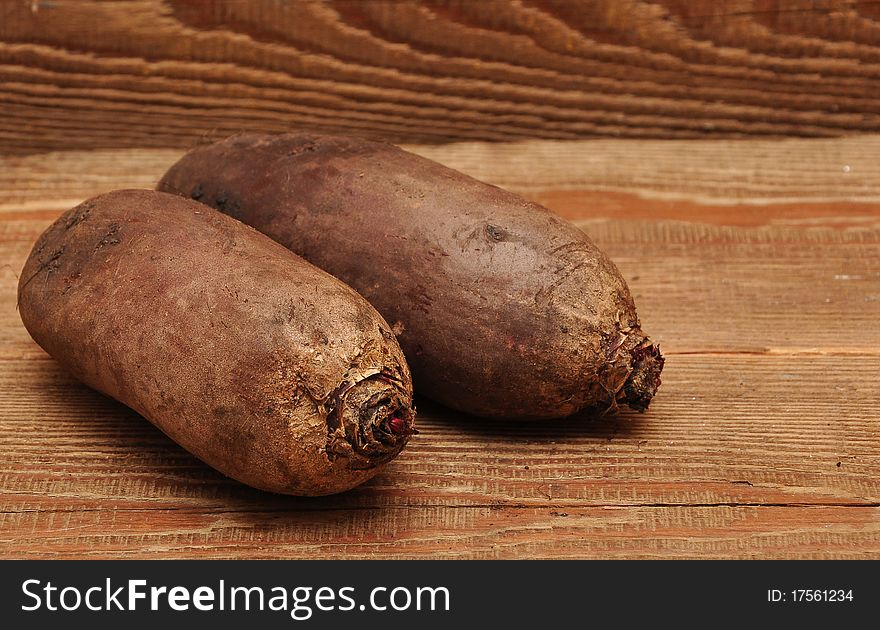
point(90, 74)
point(755, 263)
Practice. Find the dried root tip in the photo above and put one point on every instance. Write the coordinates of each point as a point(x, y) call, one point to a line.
point(369, 422)
point(643, 381)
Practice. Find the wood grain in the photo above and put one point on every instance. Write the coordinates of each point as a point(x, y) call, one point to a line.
point(757, 265)
point(145, 73)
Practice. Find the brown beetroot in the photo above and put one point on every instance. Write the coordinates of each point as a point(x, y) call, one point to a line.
point(257, 362)
point(502, 308)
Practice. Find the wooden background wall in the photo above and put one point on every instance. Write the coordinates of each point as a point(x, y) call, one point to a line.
point(77, 75)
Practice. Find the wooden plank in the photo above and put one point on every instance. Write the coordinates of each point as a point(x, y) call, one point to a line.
point(740, 456)
point(148, 73)
point(734, 429)
point(763, 440)
point(680, 179)
point(438, 532)
point(699, 288)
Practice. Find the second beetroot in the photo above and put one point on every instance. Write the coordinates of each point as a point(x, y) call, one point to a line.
point(502, 308)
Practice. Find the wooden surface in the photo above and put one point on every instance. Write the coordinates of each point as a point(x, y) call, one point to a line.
point(756, 264)
point(144, 73)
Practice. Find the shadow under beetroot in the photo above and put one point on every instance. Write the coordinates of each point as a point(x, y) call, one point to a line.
point(587, 424)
